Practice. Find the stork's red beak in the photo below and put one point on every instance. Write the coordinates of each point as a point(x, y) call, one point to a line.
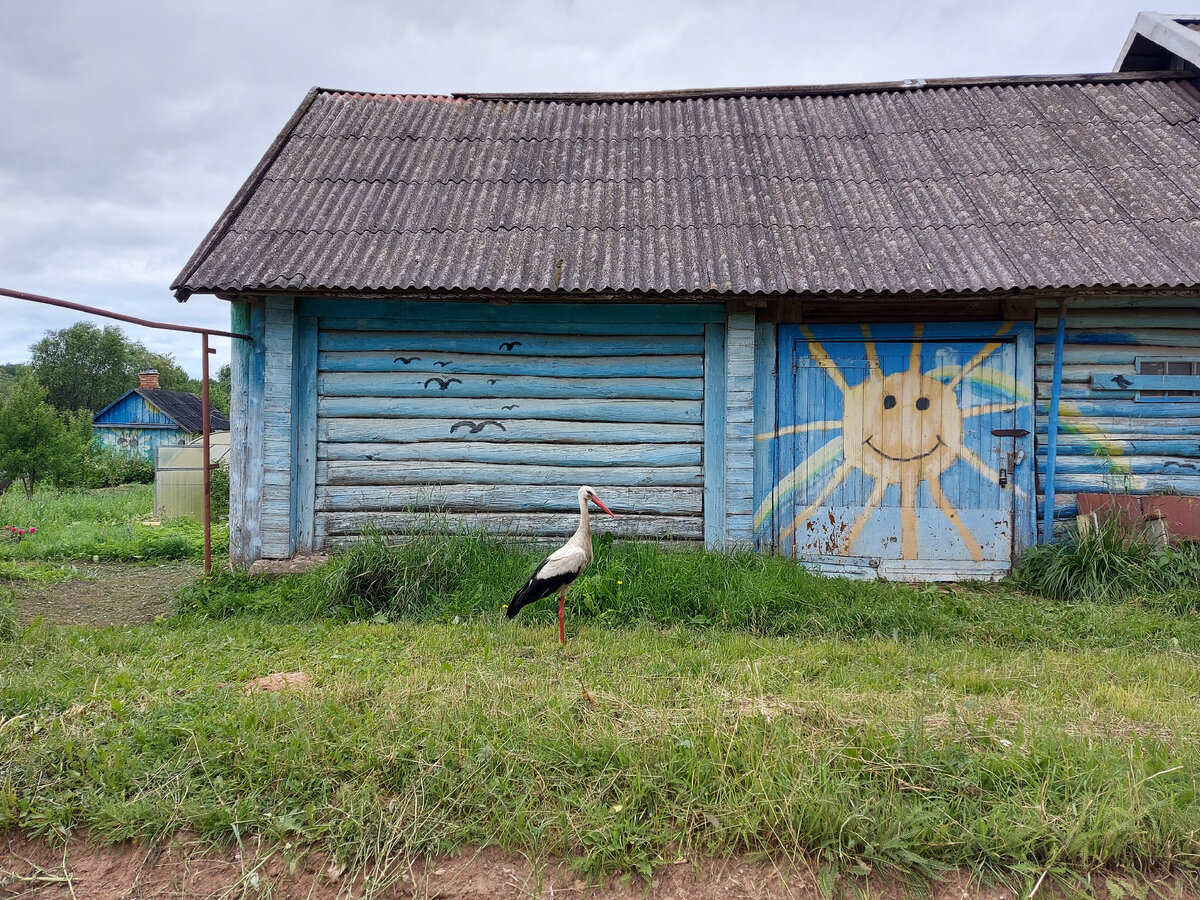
point(600, 503)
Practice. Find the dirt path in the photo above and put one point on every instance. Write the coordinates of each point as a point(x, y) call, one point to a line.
point(182, 869)
point(105, 594)
point(176, 869)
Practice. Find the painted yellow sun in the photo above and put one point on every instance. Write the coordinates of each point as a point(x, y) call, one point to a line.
point(902, 429)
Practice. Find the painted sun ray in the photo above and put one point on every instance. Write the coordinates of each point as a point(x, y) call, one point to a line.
point(865, 516)
point(908, 523)
point(843, 470)
point(914, 359)
point(968, 456)
point(828, 425)
point(876, 370)
point(948, 510)
point(809, 470)
point(827, 364)
point(981, 357)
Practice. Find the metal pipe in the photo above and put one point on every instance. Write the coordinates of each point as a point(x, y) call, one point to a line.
point(1060, 335)
point(91, 310)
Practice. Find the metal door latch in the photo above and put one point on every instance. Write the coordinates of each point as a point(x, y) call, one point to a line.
point(1004, 478)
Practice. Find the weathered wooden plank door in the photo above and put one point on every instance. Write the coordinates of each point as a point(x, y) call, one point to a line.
point(896, 452)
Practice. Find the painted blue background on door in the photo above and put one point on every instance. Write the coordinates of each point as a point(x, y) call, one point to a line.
point(885, 457)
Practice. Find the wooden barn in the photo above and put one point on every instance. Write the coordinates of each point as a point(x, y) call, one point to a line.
point(884, 329)
point(148, 417)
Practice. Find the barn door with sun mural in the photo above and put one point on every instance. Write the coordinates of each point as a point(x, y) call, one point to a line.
point(900, 451)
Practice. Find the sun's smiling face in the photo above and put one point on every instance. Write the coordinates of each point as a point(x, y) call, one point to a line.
point(909, 424)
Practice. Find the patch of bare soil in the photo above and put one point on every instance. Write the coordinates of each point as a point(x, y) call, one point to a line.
point(43, 870)
point(106, 594)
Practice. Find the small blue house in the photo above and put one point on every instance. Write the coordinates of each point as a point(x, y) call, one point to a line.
point(883, 329)
point(149, 417)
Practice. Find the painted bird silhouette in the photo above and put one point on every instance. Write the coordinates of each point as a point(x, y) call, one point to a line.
point(514, 406)
point(508, 345)
point(1121, 381)
point(442, 362)
point(475, 427)
point(405, 359)
point(442, 383)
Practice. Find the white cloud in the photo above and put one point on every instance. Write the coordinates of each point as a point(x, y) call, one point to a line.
point(129, 125)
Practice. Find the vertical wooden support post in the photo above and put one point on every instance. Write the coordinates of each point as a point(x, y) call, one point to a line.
point(1025, 511)
point(715, 406)
point(206, 452)
point(304, 433)
point(1052, 426)
point(766, 353)
point(739, 429)
point(278, 434)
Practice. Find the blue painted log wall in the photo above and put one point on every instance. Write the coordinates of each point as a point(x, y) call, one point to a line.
point(132, 427)
point(1112, 440)
point(481, 415)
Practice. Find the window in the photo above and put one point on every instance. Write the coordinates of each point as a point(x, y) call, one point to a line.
point(1168, 367)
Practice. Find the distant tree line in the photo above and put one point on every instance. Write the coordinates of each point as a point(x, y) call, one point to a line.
point(47, 405)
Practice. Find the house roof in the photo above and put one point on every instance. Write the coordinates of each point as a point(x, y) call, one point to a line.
point(186, 410)
point(941, 186)
point(1161, 42)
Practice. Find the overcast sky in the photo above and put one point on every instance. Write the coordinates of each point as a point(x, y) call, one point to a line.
point(127, 126)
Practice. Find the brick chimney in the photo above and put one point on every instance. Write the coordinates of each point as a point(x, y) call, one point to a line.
point(148, 379)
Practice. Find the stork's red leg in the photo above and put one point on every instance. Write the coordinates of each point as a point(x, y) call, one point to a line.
point(562, 617)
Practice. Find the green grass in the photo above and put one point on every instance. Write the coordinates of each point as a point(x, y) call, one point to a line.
point(99, 525)
point(12, 571)
point(626, 750)
point(441, 577)
point(707, 704)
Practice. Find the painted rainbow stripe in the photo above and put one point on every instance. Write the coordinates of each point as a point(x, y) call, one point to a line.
point(803, 475)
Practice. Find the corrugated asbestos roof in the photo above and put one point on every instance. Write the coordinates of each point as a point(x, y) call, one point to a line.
point(1080, 181)
point(187, 410)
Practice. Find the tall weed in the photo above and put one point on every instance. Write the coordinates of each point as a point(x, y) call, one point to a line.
point(1111, 563)
point(451, 573)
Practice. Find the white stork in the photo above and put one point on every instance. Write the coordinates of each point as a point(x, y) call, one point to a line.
point(558, 571)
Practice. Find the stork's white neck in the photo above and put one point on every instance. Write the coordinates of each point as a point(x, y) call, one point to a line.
point(583, 534)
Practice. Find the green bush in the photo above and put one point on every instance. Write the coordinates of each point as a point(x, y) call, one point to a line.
point(101, 467)
point(1111, 563)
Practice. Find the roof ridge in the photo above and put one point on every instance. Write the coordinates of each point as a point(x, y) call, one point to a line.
point(763, 90)
point(566, 138)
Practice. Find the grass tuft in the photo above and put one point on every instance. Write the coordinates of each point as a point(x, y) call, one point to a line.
point(1111, 563)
